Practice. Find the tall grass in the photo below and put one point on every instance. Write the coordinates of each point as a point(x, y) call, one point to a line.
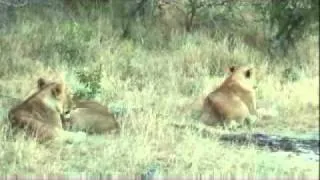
point(147, 83)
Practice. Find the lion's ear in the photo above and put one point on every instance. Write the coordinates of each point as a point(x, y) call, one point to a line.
point(41, 83)
point(248, 73)
point(232, 68)
point(57, 90)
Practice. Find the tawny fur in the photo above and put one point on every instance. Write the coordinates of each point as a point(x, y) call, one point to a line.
point(234, 99)
point(40, 114)
point(91, 117)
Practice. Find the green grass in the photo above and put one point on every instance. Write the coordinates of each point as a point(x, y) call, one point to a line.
point(148, 88)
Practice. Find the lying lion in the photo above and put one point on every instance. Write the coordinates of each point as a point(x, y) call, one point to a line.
point(91, 117)
point(234, 99)
point(40, 114)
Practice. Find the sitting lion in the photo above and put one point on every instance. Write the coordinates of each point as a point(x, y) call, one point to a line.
point(91, 117)
point(234, 99)
point(40, 114)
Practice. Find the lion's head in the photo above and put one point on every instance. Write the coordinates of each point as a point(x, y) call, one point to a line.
point(60, 92)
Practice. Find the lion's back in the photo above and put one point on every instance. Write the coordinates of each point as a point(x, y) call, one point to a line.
point(229, 100)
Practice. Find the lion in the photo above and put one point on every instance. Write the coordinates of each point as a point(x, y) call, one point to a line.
point(233, 100)
point(91, 117)
point(40, 114)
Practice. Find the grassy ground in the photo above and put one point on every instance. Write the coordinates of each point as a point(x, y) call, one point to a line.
point(148, 85)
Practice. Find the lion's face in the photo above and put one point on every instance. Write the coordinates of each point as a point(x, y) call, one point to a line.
point(65, 96)
point(68, 103)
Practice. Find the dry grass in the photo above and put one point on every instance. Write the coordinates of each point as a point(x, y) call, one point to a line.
point(149, 87)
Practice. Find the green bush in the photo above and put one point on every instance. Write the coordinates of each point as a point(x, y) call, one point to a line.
point(91, 81)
